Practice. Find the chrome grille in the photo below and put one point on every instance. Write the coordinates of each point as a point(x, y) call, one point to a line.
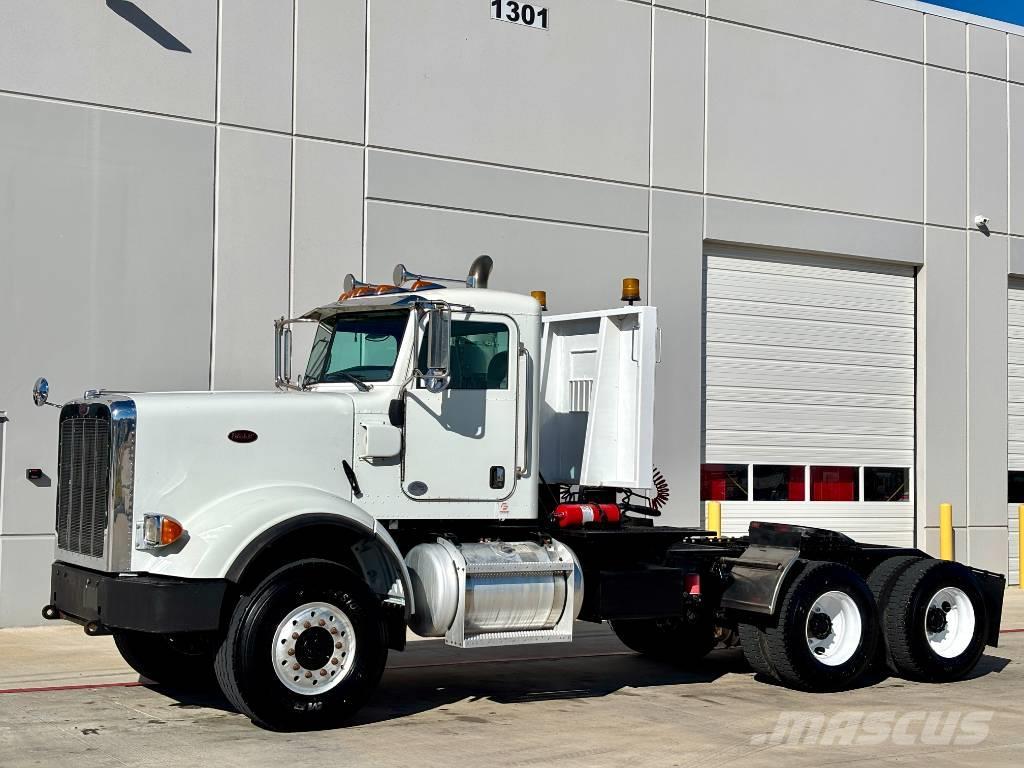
point(83, 484)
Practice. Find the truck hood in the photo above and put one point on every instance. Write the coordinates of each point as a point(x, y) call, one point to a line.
point(194, 449)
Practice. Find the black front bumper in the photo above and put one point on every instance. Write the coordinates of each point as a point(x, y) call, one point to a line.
point(142, 602)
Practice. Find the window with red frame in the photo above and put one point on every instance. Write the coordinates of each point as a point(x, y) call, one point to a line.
point(834, 484)
point(723, 482)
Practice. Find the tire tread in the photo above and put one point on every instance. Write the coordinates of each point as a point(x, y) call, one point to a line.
point(898, 624)
point(229, 670)
point(778, 640)
point(752, 641)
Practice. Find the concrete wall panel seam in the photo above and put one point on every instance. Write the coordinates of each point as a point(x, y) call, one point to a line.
point(829, 43)
point(506, 166)
point(811, 208)
point(503, 215)
point(105, 107)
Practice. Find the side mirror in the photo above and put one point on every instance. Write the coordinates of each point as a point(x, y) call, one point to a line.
point(41, 391)
point(439, 335)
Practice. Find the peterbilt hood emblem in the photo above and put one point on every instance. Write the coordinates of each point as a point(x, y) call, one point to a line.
point(242, 436)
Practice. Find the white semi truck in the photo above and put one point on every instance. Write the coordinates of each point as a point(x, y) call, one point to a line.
point(452, 462)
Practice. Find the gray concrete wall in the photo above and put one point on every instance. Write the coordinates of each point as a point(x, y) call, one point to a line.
point(175, 174)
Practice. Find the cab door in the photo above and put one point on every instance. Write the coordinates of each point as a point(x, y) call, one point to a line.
point(460, 444)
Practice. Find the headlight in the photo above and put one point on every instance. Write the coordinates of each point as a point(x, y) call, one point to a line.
point(159, 531)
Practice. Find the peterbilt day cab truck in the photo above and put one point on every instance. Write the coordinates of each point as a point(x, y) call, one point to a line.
point(452, 462)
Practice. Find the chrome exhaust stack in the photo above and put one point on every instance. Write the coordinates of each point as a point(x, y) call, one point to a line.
point(479, 272)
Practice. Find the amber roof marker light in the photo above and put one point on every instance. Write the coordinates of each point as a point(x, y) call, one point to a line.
point(631, 289)
point(542, 299)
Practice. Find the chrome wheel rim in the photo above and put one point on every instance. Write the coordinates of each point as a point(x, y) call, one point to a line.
point(833, 628)
point(949, 622)
point(314, 648)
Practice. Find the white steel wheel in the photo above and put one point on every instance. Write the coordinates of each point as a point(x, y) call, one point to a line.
point(834, 628)
point(949, 622)
point(825, 631)
point(314, 648)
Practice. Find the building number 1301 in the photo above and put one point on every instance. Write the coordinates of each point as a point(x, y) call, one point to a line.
point(519, 13)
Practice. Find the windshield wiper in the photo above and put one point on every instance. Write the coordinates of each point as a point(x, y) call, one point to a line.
point(361, 385)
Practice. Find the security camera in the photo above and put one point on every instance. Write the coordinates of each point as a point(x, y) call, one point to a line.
point(981, 221)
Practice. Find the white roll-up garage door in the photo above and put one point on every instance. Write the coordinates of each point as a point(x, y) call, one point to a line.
point(1015, 426)
point(809, 392)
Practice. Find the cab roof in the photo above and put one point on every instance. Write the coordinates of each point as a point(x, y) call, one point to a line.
point(476, 299)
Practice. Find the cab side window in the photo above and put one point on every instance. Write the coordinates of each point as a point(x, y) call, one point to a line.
point(479, 355)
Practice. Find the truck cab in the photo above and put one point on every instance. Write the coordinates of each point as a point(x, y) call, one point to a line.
point(430, 440)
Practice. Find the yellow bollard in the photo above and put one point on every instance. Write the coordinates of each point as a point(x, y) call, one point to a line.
point(1020, 543)
point(946, 531)
point(714, 518)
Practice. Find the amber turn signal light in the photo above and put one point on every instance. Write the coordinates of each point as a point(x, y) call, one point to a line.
point(160, 530)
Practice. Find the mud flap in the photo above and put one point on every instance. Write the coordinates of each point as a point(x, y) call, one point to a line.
point(756, 578)
point(993, 587)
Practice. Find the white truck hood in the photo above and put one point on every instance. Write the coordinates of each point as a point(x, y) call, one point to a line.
point(195, 449)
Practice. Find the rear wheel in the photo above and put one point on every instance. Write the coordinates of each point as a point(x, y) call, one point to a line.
point(825, 634)
point(180, 661)
point(881, 581)
point(305, 649)
point(935, 622)
point(884, 576)
point(752, 640)
point(680, 640)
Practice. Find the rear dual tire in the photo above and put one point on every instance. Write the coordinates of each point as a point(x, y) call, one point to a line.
point(935, 622)
point(825, 634)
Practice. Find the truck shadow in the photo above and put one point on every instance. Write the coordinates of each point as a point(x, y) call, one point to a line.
point(987, 665)
point(429, 677)
point(420, 682)
point(410, 688)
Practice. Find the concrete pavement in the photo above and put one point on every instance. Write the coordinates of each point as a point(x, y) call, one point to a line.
point(593, 703)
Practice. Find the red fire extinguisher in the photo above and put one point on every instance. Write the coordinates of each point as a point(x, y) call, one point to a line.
point(576, 515)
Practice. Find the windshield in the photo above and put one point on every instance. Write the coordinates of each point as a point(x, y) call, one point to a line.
point(361, 346)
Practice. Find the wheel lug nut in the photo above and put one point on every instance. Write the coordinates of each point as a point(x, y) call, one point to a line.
point(337, 645)
point(306, 624)
point(291, 651)
point(334, 630)
point(309, 674)
point(295, 635)
point(323, 673)
point(334, 661)
point(322, 622)
point(295, 667)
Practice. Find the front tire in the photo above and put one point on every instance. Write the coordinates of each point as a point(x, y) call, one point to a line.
point(305, 649)
point(825, 634)
point(935, 622)
point(180, 661)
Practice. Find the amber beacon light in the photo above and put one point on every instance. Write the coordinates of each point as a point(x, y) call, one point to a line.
point(631, 289)
point(542, 299)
